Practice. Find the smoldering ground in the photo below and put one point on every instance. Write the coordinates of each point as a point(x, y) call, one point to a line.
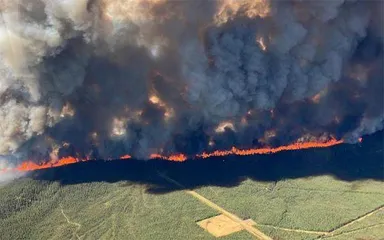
point(104, 78)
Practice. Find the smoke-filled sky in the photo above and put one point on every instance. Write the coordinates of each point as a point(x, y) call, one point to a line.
point(103, 78)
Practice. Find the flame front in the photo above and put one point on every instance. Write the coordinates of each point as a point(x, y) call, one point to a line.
point(179, 157)
point(31, 166)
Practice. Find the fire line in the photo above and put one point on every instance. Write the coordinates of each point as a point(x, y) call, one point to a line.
point(31, 166)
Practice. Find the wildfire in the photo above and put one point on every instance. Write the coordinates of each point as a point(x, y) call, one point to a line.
point(67, 110)
point(31, 166)
point(261, 43)
point(118, 127)
point(268, 150)
point(136, 10)
point(168, 112)
point(228, 9)
point(223, 125)
point(125, 157)
point(155, 99)
point(316, 98)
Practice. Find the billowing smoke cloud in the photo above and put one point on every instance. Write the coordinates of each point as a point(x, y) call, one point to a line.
point(103, 78)
point(5, 175)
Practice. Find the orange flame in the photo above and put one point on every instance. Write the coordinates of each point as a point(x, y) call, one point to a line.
point(174, 157)
point(126, 157)
point(316, 98)
point(31, 166)
point(268, 150)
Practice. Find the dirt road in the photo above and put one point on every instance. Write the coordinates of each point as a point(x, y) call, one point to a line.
point(251, 229)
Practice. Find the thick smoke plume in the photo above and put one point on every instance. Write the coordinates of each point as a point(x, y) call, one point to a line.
point(6, 173)
point(103, 78)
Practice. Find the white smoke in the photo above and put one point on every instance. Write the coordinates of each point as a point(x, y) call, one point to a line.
point(6, 175)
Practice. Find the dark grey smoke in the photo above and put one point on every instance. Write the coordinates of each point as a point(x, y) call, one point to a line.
point(104, 78)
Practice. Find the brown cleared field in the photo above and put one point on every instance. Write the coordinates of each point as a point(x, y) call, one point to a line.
point(222, 225)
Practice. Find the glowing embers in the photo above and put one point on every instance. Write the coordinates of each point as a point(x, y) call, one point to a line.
point(154, 99)
point(229, 9)
point(317, 97)
point(126, 156)
point(168, 111)
point(119, 126)
point(261, 43)
point(67, 111)
point(224, 125)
